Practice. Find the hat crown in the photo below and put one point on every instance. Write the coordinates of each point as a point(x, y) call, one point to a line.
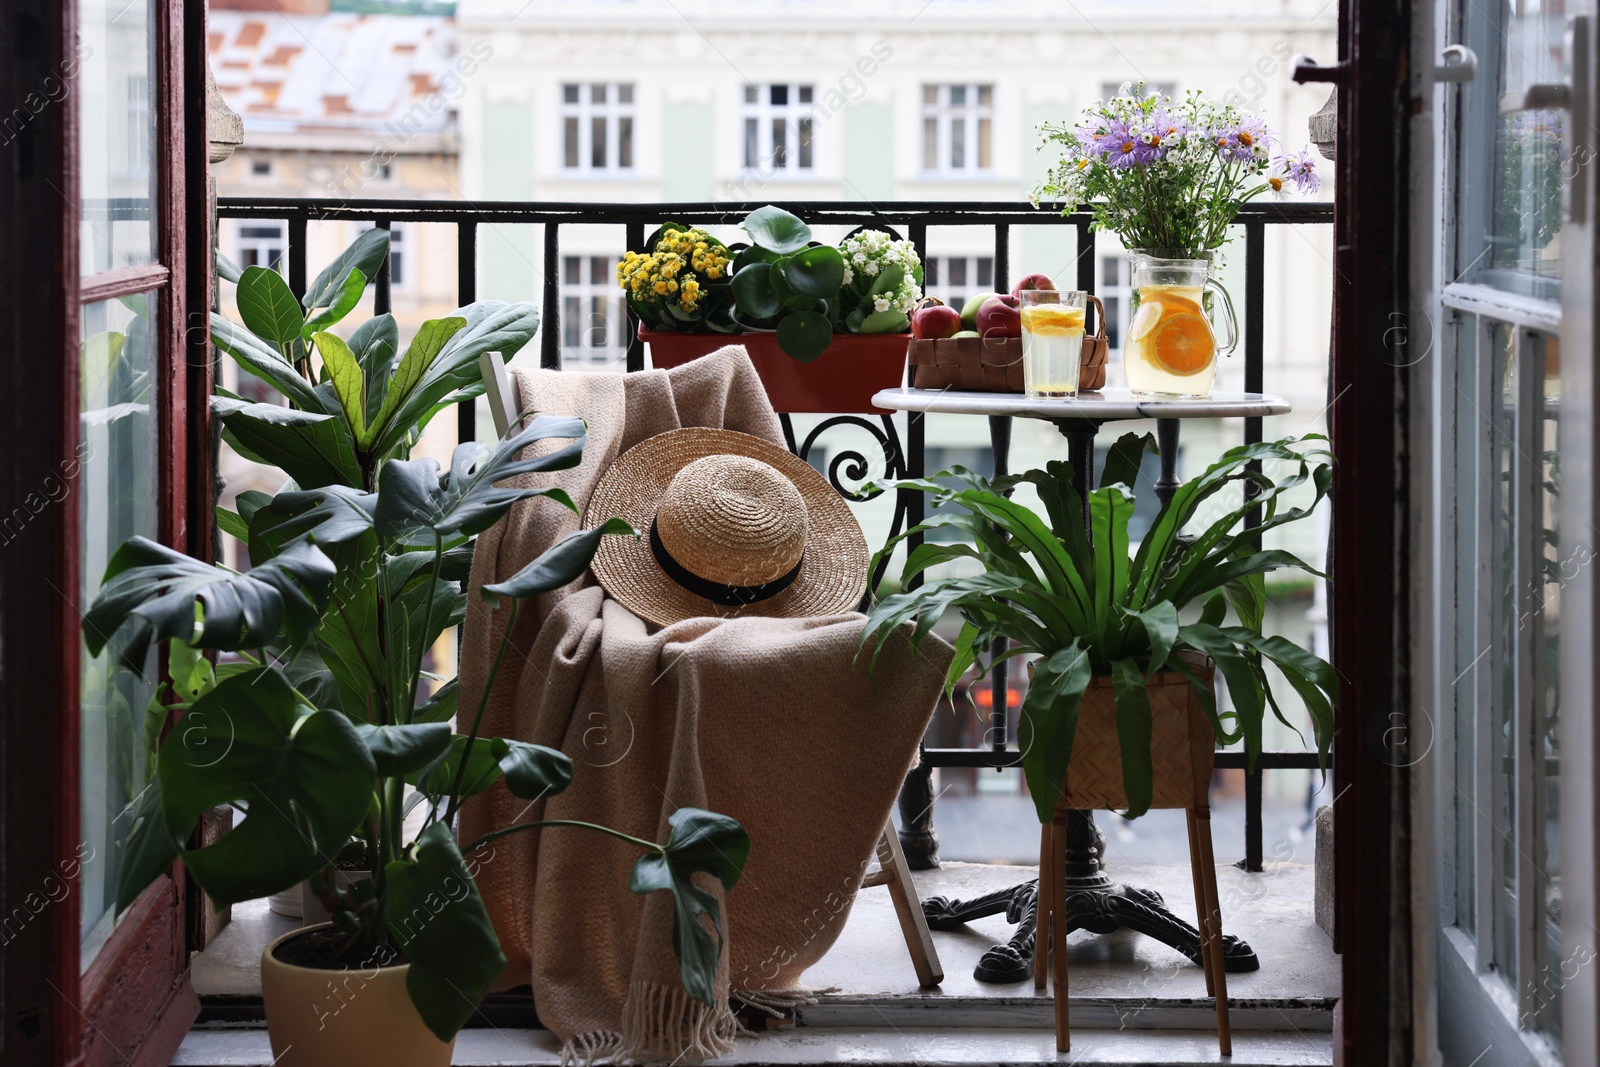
point(733, 519)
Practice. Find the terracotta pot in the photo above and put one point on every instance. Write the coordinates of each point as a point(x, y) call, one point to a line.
point(319, 1018)
point(841, 381)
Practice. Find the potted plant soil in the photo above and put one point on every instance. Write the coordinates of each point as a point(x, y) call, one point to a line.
point(320, 727)
point(1103, 618)
point(825, 327)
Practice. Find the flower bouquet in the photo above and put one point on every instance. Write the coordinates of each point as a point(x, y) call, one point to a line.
point(681, 281)
point(1169, 178)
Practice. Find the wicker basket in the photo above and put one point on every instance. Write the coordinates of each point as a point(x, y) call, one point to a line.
point(994, 365)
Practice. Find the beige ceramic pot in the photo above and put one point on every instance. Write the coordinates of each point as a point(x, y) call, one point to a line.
point(318, 1018)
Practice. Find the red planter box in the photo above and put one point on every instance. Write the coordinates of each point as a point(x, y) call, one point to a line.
point(841, 381)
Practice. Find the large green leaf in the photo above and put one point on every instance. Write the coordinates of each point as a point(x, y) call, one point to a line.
point(430, 340)
point(375, 343)
point(701, 841)
point(805, 335)
point(816, 272)
point(1160, 625)
point(1110, 508)
point(416, 502)
point(563, 562)
point(312, 448)
point(436, 915)
point(150, 852)
point(1049, 723)
point(1244, 683)
point(151, 591)
point(330, 515)
point(304, 778)
point(1124, 459)
point(268, 308)
point(776, 230)
point(265, 362)
point(531, 771)
point(365, 254)
point(349, 383)
point(403, 749)
point(345, 299)
point(752, 291)
point(1133, 734)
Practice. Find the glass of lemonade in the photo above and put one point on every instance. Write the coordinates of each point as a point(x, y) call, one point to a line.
point(1170, 349)
point(1052, 341)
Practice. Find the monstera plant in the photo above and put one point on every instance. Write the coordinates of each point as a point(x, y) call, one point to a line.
point(1088, 604)
point(318, 728)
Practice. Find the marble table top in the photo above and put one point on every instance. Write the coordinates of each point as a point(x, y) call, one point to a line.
point(1104, 405)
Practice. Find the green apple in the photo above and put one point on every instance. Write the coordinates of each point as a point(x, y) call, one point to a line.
point(969, 310)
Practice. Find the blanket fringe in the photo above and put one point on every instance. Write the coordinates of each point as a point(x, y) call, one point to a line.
point(665, 1024)
point(585, 1050)
point(776, 1002)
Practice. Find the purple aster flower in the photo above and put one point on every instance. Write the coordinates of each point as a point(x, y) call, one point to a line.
point(1127, 152)
point(1300, 168)
point(1112, 136)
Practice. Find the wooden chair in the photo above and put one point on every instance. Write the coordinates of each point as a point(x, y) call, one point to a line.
point(893, 871)
point(1182, 751)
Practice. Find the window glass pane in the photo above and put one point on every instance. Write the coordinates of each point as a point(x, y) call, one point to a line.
point(805, 143)
point(569, 270)
point(1503, 769)
point(983, 144)
point(569, 94)
point(930, 272)
point(569, 140)
point(752, 142)
point(985, 271)
point(780, 147)
point(779, 94)
point(596, 326)
point(597, 143)
point(930, 143)
point(958, 270)
point(625, 93)
point(985, 94)
point(116, 501)
point(600, 269)
point(958, 95)
point(571, 324)
point(1559, 560)
point(930, 94)
point(958, 143)
point(625, 141)
point(1470, 668)
point(750, 92)
point(805, 94)
point(116, 134)
point(597, 93)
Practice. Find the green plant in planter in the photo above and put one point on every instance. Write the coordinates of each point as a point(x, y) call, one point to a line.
point(317, 728)
point(1090, 606)
point(805, 292)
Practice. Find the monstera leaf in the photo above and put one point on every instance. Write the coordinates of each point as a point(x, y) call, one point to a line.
point(416, 503)
point(701, 841)
point(153, 592)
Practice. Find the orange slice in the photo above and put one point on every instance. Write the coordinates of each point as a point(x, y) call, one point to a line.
point(1144, 320)
point(1052, 320)
point(1182, 344)
point(1172, 297)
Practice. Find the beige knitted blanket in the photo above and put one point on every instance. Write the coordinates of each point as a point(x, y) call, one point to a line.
point(765, 720)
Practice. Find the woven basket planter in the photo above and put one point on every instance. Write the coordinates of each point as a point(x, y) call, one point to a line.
point(841, 381)
point(994, 364)
point(1182, 746)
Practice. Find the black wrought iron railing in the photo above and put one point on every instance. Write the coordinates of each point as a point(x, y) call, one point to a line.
point(901, 458)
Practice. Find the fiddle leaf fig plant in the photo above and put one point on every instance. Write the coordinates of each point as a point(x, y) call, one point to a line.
point(1089, 604)
point(319, 731)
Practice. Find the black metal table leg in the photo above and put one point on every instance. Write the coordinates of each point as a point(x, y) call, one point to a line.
point(1094, 901)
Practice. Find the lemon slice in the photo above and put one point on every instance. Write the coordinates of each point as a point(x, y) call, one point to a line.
point(1145, 320)
point(1052, 320)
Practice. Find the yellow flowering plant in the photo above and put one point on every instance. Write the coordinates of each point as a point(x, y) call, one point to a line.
point(680, 282)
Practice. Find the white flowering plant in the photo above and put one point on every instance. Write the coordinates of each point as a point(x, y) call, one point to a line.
point(1168, 177)
point(882, 282)
point(805, 292)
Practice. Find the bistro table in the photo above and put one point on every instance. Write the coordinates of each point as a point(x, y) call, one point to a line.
point(1094, 901)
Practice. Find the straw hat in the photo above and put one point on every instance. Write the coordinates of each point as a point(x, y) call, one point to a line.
point(732, 525)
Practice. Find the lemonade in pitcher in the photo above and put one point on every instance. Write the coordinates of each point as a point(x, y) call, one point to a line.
point(1170, 349)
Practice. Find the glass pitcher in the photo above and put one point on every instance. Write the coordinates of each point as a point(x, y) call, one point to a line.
point(1171, 350)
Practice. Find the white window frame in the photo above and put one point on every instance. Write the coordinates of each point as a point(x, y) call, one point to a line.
point(259, 249)
point(958, 113)
point(937, 272)
point(759, 120)
point(594, 319)
point(579, 118)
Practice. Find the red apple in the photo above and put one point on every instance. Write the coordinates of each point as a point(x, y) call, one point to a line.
point(1000, 316)
point(1033, 281)
point(935, 321)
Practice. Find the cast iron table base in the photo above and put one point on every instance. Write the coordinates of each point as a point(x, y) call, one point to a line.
point(1094, 903)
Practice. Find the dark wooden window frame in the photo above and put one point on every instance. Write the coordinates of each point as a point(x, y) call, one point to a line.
point(133, 1003)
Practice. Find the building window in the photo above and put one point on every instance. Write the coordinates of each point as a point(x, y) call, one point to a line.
point(1116, 289)
point(397, 255)
point(957, 129)
point(594, 321)
point(261, 168)
point(261, 246)
point(778, 128)
point(597, 127)
point(956, 279)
